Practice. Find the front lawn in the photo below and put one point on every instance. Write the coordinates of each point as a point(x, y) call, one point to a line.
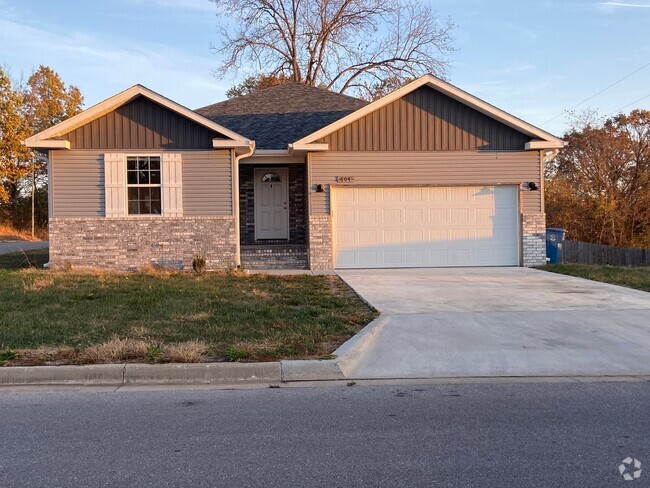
point(637, 277)
point(74, 318)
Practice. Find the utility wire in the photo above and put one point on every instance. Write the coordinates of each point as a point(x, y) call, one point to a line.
point(601, 91)
point(628, 105)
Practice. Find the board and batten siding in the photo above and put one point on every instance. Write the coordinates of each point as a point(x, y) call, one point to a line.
point(445, 168)
point(77, 183)
point(141, 124)
point(426, 120)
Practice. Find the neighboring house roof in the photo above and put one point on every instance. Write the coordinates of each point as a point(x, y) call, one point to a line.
point(277, 116)
point(51, 138)
point(541, 138)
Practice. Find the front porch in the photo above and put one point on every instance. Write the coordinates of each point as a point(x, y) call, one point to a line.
point(272, 216)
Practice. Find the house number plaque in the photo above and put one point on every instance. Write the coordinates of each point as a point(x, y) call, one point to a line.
point(344, 179)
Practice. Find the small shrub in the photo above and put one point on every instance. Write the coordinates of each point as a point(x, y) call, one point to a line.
point(154, 353)
point(67, 266)
point(233, 354)
point(198, 264)
point(6, 355)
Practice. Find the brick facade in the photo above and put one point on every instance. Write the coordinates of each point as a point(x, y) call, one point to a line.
point(132, 243)
point(297, 220)
point(533, 228)
point(320, 242)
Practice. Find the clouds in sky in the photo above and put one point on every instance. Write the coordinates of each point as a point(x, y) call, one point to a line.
point(102, 65)
point(613, 5)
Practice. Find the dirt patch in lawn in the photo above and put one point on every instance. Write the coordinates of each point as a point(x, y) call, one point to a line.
point(52, 318)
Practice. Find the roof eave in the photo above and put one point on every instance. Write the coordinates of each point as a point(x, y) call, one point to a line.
point(36, 143)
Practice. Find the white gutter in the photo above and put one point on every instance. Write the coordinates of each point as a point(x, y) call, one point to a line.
point(235, 198)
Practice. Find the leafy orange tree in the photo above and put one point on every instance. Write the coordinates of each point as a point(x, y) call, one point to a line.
point(598, 187)
point(44, 100)
point(14, 155)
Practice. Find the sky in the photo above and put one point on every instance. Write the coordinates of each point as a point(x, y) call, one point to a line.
point(533, 58)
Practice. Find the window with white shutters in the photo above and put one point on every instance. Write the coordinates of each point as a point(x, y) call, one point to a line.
point(141, 185)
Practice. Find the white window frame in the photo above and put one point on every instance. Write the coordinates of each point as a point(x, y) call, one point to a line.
point(127, 186)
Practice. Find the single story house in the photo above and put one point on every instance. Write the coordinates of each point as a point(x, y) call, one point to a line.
point(295, 176)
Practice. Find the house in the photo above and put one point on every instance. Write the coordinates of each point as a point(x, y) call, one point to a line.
point(295, 176)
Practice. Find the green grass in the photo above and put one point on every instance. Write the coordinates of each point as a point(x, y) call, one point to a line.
point(16, 260)
point(236, 316)
point(637, 277)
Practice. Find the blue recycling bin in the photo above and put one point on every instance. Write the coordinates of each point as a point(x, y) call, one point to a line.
point(554, 239)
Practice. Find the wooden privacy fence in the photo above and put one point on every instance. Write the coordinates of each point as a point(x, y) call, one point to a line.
point(588, 253)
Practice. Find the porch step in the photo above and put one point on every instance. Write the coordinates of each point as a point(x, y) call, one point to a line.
point(274, 256)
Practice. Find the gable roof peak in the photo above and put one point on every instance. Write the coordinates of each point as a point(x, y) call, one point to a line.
point(542, 139)
point(44, 138)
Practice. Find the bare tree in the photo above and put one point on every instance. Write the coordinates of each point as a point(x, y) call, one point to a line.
point(344, 45)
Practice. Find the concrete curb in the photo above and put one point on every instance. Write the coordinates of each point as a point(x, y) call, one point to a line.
point(99, 374)
point(142, 374)
point(311, 370)
point(351, 352)
point(205, 373)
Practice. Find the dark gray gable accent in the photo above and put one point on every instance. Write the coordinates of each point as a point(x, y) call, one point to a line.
point(426, 120)
point(141, 124)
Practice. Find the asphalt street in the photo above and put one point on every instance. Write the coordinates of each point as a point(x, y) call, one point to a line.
point(491, 434)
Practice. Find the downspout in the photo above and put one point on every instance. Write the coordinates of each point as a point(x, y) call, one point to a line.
point(235, 198)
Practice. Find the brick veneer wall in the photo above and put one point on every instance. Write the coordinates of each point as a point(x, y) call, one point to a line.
point(128, 243)
point(297, 222)
point(533, 227)
point(320, 242)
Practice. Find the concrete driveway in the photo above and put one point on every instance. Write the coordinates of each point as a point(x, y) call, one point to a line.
point(496, 322)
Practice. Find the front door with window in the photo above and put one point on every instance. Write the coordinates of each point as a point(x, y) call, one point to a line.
point(271, 203)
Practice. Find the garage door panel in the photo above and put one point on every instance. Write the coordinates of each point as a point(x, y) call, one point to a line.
point(425, 226)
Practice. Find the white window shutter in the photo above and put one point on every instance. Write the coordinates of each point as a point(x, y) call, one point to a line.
point(172, 185)
point(114, 185)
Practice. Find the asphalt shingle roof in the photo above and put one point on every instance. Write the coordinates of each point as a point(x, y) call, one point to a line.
point(282, 114)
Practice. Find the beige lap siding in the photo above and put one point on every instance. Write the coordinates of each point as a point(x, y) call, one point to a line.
point(206, 183)
point(442, 168)
point(77, 183)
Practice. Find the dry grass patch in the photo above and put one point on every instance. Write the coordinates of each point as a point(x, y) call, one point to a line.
point(257, 293)
point(42, 356)
point(115, 350)
point(36, 282)
point(8, 233)
point(192, 317)
point(185, 352)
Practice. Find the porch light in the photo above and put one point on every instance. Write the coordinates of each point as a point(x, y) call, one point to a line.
point(530, 185)
point(320, 188)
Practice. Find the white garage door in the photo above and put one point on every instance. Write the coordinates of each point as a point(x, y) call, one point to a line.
point(425, 227)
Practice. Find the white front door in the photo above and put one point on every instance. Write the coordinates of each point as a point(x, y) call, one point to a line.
point(271, 203)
